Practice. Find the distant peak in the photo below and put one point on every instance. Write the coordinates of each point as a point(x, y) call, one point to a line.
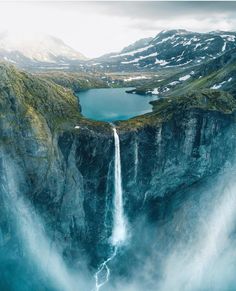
point(37, 46)
point(174, 31)
point(171, 32)
point(222, 32)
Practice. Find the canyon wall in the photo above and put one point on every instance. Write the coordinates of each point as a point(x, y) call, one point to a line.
point(64, 163)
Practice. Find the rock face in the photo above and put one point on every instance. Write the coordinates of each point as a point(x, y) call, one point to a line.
point(176, 154)
point(65, 162)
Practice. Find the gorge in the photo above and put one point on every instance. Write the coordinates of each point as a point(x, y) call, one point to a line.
point(121, 207)
point(119, 231)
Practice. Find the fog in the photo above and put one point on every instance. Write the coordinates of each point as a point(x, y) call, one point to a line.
point(39, 248)
point(209, 261)
point(95, 28)
point(193, 248)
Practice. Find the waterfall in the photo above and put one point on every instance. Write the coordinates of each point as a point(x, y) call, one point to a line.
point(103, 273)
point(119, 224)
point(135, 160)
point(119, 232)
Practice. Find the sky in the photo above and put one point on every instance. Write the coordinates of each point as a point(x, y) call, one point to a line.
point(97, 28)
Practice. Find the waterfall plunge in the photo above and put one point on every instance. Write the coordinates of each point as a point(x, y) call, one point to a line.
point(135, 160)
point(119, 232)
point(119, 224)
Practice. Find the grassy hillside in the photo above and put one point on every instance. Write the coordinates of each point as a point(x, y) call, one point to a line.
point(165, 108)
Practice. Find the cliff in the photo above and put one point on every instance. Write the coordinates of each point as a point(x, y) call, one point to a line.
point(66, 161)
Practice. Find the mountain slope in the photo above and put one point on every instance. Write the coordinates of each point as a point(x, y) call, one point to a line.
point(33, 50)
point(173, 48)
point(218, 73)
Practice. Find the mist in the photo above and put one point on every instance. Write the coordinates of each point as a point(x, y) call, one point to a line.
point(194, 247)
point(191, 248)
point(37, 248)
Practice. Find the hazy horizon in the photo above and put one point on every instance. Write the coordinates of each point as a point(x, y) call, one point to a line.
point(98, 28)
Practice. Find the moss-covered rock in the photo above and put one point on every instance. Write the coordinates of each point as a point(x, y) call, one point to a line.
point(39, 99)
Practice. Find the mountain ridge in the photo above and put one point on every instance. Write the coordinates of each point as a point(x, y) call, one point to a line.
point(29, 50)
point(176, 48)
point(169, 48)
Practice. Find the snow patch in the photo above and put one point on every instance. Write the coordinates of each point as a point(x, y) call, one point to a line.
point(210, 39)
point(187, 42)
point(135, 78)
point(155, 91)
point(224, 46)
point(165, 39)
point(218, 86)
point(166, 89)
point(161, 62)
point(136, 60)
point(229, 37)
point(184, 78)
point(133, 52)
point(197, 45)
point(174, 83)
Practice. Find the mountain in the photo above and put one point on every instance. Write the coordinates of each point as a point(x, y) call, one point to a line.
point(139, 44)
point(27, 50)
point(169, 49)
point(218, 73)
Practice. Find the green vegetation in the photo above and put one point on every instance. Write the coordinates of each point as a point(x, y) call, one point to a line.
point(76, 81)
point(46, 105)
point(165, 108)
point(216, 77)
point(42, 103)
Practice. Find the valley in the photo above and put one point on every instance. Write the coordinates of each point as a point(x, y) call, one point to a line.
point(118, 172)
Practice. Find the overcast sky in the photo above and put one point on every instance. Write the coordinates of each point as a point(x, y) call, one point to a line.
point(96, 28)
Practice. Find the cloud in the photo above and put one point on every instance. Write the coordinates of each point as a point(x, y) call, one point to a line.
point(96, 28)
point(162, 10)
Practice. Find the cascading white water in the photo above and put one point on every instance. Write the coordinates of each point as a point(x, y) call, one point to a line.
point(103, 274)
point(119, 223)
point(119, 232)
point(135, 160)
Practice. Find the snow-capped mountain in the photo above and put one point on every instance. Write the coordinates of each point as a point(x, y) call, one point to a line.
point(217, 74)
point(27, 49)
point(173, 48)
point(169, 49)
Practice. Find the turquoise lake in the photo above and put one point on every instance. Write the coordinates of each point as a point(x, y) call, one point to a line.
point(112, 104)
